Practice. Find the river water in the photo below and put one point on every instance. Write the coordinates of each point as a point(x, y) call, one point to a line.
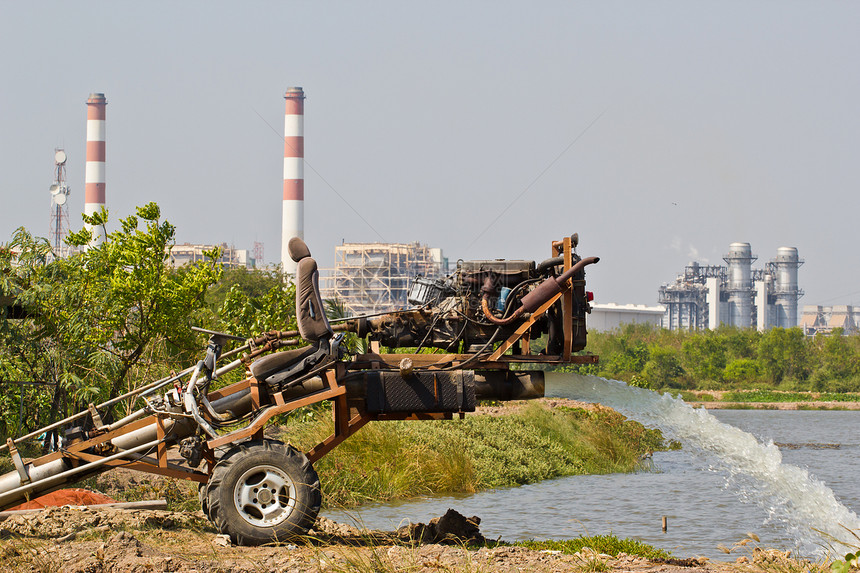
point(720, 486)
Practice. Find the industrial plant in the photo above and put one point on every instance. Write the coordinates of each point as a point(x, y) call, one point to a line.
point(230, 257)
point(375, 277)
point(705, 296)
point(825, 319)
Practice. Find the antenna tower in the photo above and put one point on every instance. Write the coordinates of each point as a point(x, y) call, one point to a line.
point(258, 254)
point(60, 192)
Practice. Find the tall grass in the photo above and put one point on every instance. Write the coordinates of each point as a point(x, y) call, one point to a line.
point(388, 460)
point(607, 544)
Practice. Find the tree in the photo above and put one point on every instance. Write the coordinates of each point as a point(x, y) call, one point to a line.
point(95, 315)
point(246, 315)
point(742, 370)
point(705, 356)
point(782, 353)
point(663, 367)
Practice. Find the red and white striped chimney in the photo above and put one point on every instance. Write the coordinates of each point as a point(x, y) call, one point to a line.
point(94, 188)
point(294, 180)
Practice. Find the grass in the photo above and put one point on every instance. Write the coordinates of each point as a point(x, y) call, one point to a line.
point(388, 460)
point(607, 544)
point(28, 554)
point(777, 396)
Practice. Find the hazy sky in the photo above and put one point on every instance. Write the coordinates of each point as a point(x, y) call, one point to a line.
point(710, 123)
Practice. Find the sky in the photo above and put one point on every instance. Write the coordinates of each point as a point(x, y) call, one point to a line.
point(660, 131)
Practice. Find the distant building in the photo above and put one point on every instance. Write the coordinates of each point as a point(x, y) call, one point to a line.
point(231, 257)
point(734, 295)
point(610, 316)
point(375, 277)
point(824, 319)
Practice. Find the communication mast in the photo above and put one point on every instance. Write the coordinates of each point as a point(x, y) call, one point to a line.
point(258, 254)
point(60, 192)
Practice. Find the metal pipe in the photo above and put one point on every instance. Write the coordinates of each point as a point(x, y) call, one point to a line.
point(60, 478)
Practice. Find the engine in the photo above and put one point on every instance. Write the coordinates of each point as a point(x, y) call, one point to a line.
point(479, 304)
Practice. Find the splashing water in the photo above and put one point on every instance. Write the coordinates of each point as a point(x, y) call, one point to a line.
point(804, 505)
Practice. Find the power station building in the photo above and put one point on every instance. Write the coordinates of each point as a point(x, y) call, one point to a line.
point(231, 257)
point(825, 319)
point(610, 316)
point(375, 277)
point(705, 296)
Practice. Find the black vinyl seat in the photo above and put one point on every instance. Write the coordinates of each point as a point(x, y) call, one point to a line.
point(264, 367)
point(312, 322)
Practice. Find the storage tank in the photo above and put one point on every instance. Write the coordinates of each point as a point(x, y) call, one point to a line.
point(740, 260)
point(785, 286)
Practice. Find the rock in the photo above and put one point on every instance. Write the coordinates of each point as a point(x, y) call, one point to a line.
point(221, 540)
point(453, 527)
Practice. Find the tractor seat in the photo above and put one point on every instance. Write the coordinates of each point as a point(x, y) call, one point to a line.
point(312, 323)
point(264, 367)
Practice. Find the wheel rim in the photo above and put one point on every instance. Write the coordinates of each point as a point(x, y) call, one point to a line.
point(265, 496)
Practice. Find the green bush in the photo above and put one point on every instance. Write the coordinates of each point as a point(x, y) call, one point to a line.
point(728, 358)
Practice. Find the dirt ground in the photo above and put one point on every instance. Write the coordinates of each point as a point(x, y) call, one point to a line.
point(82, 540)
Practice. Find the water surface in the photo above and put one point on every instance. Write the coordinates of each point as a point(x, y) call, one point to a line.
point(709, 499)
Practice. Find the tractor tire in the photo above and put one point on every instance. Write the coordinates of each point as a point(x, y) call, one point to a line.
point(203, 497)
point(263, 491)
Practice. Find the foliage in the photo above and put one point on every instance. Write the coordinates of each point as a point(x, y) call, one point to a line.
point(776, 396)
point(607, 544)
point(99, 320)
point(663, 367)
point(728, 358)
point(267, 304)
point(741, 369)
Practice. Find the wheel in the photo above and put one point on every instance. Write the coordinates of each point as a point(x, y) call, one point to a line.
point(263, 491)
point(204, 501)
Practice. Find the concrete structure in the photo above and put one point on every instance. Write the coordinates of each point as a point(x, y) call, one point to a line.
point(611, 316)
point(94, 179)
point(823, 319)
point(375, 277)
point(294, 178)
point(231, 257)
point(734, 295)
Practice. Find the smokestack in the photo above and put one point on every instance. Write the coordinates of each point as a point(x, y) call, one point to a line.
point(740, 260)
point(294, 180)
point(94, 188)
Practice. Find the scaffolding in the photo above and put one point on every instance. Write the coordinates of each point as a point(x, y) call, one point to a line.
point(374, 277)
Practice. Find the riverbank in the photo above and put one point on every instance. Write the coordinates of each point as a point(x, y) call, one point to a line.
point(74, 540)
point(502, 445)
point(767, 400)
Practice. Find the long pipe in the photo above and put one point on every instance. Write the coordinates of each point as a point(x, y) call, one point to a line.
point(50, 481)
point(151, 387)
point(46, 476)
